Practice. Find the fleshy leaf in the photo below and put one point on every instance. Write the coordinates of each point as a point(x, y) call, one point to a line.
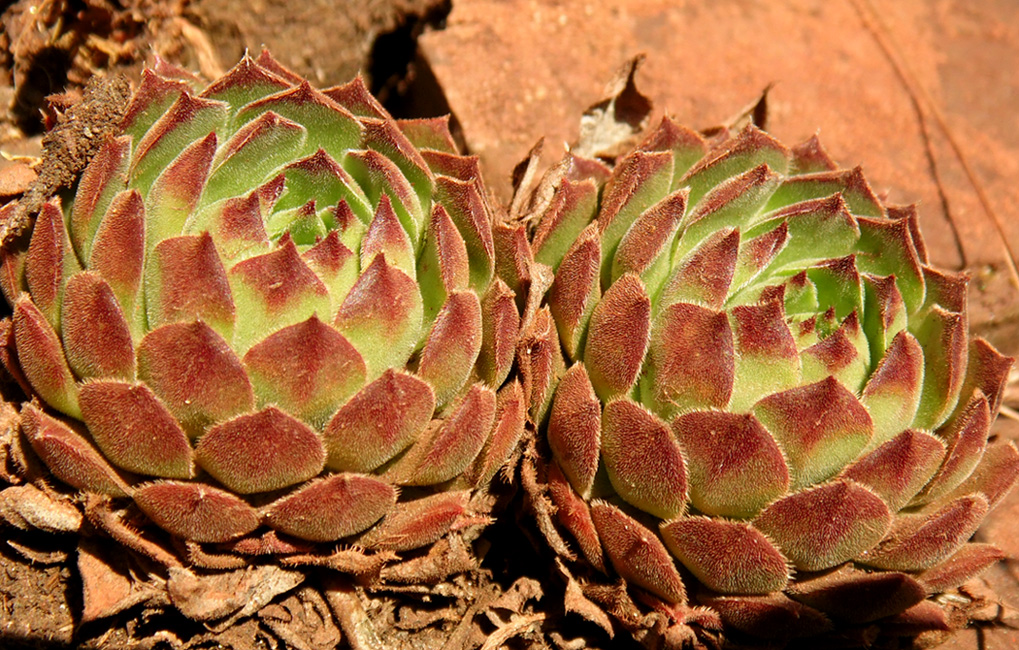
point(385, 235)
point(899, 468)
point(274, 290)
point(810, 156)
point(618, 337)
point(175, 192)
point(823, 526)
point(919, 541)
point(185, 280)
point(733, 203)
point(378, 422)
point(412, 524)
point(321, 176)
point(637, 554)
point(500, 329)
point(574, 515)
point(331, 126)
point(510, 414)
point(429, 134)
point(942, 334)
point(705, 274)
point(469, 210)
point(452, 346)
point(967, 562)
point(118, 251)
point(892, 393)
point(751, 148)
point(188, 120)
point(986, 370)
point(574, 428)
point(844, 354)
point(850, 183)
point(570, 210)
point(382, 316)
point(154, 95)
point(102, 179)
point(774, 616)
point(307, 369)
point(821, 427)
point(631, 437)
point(258, 148)
point(49, 262)
point(326, 509)
point(443, 266)
point(966, 438)
point(378, 175)
point(135, 431)
point(335, 265)
point(70, 457)
point(691, 361)
point(260, 452)
point(97, 337)
point(41, 357)
point(540, 362)
point(886, 248)
point(244, 83)
point(646, 247)
point(196, 374)
point(686, 145)
point(859, 597)
point(452, 447)
point(383, 135)
point(996, 474)
point(195, 511)
point(576, 290)
point(639, 180)
point(726, 556)
point(766, 357)
point(735, 466)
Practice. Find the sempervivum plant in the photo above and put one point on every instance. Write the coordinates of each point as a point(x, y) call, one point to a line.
point(268, 318)
point(757, 395)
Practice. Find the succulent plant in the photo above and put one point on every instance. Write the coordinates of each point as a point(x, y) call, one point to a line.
point(269, 319)
point(757, 394)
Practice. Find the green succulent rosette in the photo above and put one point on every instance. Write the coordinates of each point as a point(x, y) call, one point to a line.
point(757, 394)
point(270, 312)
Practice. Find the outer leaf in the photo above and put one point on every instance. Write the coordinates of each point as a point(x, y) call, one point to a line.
point(326, 509)
point(824, 526)
point(728, 557)
point(196, 512)
point(195, 373)
point(637, 554)
point(380, 421)
point(260, 452)
point(135, 431)
point(413, 524)
point(735, 466)
point(643, 460)
point(70, 457)
point(618, 337)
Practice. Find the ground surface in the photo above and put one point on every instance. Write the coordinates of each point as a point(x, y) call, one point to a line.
point(921, 93)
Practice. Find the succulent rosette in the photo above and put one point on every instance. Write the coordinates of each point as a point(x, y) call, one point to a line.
point(757, 394)
point(268, 317)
